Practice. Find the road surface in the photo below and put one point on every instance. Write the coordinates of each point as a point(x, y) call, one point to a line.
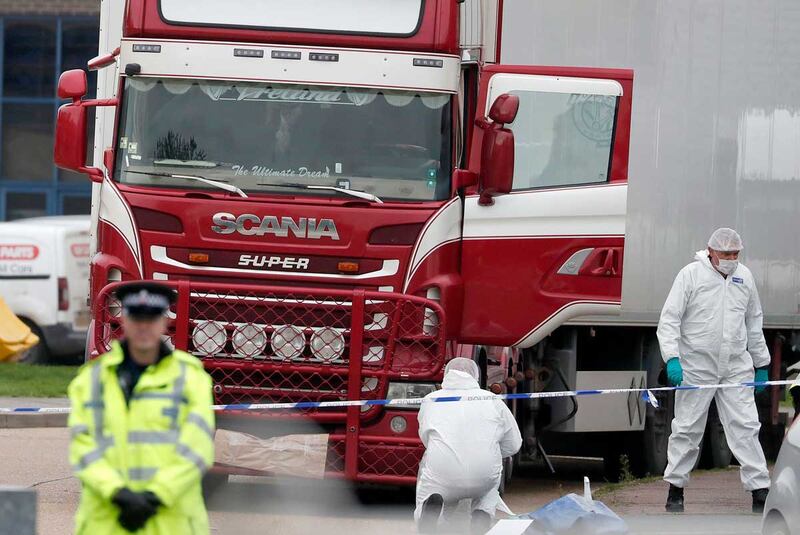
point(37, 458)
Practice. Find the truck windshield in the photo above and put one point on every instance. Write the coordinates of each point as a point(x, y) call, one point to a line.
point(263, 137)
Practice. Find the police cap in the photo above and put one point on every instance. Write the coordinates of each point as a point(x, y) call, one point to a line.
point(145, 299)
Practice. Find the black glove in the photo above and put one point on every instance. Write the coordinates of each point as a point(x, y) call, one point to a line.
point(153, 500)
point(136, 508)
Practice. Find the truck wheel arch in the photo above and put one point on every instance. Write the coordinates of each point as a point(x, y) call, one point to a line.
point(33, 312)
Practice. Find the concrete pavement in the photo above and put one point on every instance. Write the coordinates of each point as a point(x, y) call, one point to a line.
point(38, 458)
point(692, 524)
point(717, 491)
point(14, 421)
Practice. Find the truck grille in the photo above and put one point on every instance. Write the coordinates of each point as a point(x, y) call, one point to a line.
point(269, 344)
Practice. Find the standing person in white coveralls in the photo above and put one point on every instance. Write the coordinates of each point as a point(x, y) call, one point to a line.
point(710, 332)
point(465, 443)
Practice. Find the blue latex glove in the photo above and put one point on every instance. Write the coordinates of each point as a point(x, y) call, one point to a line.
point(674, 371)
point(762, 374)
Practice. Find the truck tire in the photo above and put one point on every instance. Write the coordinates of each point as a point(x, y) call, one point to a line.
point(38, 354)
point(657, 429)
point(771, 437)
point(623, 457)
point(612, 459)
point(658, 421)
point(715, 452)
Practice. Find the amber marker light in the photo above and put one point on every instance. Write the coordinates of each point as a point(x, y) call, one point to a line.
point(198, 258)
point(348, 267)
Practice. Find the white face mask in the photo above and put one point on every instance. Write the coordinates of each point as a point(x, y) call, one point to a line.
point(727, 267)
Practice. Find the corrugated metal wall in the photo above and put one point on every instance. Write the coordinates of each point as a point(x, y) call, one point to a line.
point(479, 27)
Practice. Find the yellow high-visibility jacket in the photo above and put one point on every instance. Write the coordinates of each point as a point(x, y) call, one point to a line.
point(162, 441)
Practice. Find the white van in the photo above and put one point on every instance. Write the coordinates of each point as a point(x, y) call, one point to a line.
point(44, 279)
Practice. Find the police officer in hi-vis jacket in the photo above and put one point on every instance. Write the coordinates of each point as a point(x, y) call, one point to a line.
point(142, 428)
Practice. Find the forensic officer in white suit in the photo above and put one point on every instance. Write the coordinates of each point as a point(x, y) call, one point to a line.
point(710, 332)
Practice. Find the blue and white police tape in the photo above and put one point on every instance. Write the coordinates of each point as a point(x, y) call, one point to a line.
point(648, 394)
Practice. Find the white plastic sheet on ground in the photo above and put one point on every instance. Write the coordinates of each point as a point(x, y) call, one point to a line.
point(291, 455)
point(510, 526)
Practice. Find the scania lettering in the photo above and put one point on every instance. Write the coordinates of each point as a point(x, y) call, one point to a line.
point(252, 225)
point(454, 190)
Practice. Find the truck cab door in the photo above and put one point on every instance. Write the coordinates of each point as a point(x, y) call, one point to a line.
point(550, 249)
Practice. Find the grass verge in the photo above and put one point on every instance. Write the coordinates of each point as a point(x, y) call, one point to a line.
point(608, 488)
point(26, 380)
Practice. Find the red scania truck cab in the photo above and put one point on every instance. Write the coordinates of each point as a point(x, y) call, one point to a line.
point(342, 190)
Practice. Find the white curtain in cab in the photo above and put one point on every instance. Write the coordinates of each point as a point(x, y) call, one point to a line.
point(387, 17)
point(249, 91)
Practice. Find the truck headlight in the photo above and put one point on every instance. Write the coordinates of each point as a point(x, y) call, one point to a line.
point(327, 344)
point(209, 337)
point(288, 342)
point(249, 340)
point(409, 391)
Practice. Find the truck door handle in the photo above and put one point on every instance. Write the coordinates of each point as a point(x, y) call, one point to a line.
point(603, 262)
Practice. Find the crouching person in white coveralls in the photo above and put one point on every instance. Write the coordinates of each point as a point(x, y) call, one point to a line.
point(465, 443)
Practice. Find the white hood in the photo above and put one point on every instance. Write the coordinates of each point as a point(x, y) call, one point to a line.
point(458, 380)
point(702, 257)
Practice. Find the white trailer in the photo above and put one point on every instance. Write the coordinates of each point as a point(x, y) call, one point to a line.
point(715, 136)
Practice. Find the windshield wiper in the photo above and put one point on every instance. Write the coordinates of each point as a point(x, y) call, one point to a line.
point(185, 163)
point(352, 192)
point(216, 183)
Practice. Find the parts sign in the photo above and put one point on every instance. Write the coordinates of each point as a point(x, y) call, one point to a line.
point(18, 260)
point(18, 252)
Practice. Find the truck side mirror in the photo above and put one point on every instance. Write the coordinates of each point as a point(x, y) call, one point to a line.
point(497, 149)
point(70, 147)
point(72, 85)
point(71, 126)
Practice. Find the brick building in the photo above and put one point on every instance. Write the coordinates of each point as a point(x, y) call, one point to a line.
point(39, 40)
